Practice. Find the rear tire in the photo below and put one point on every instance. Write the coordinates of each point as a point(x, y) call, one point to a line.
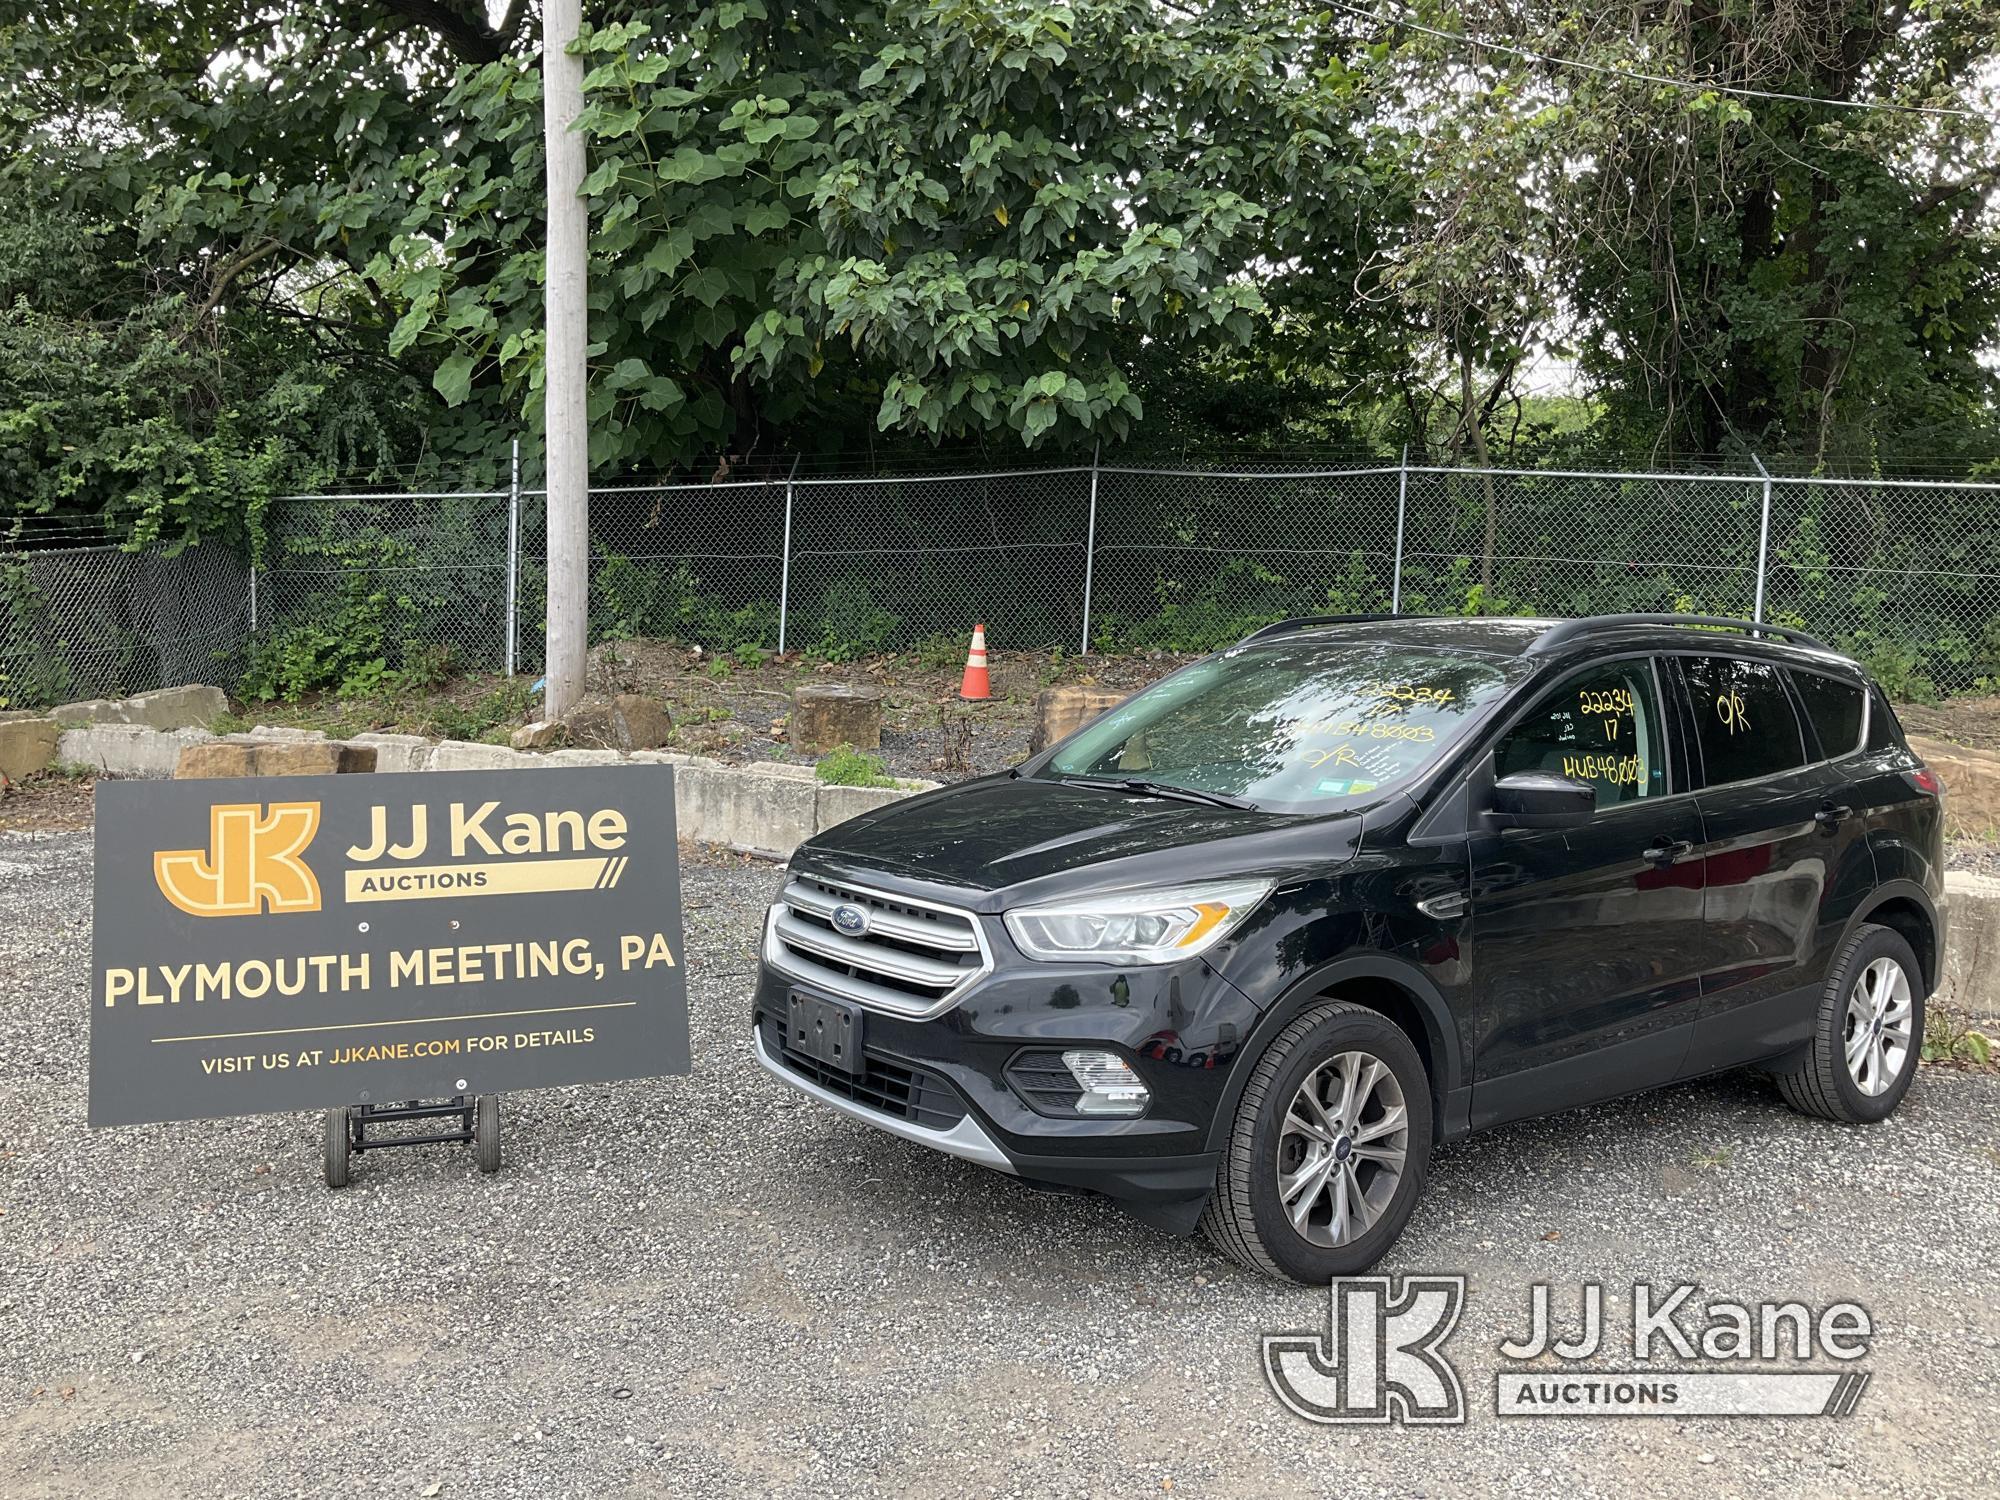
point(1329, 1149)
point(1868, 1036)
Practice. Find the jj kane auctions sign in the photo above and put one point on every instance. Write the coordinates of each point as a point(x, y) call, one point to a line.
point(295, 943)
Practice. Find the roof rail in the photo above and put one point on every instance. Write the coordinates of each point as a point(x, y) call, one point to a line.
point(1314, 622)
point(1568, 630)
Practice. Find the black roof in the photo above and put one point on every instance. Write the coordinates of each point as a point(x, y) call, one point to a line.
point(1560, 639)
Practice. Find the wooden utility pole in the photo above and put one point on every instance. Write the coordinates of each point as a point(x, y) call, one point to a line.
point(565, 420)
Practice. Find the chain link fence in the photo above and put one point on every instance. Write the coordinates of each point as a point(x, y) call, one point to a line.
point(100, 621)
point(350, 589)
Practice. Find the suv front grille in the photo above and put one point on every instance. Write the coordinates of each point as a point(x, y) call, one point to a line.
point(887, 1085)
point(909, 959)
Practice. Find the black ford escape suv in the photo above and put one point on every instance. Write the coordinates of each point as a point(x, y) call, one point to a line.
point(1242, 951)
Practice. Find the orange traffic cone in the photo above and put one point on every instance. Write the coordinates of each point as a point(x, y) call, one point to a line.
point(975, 683)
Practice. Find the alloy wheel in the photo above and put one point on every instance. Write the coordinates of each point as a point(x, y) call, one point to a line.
point(1877, 1034)
point(1342, 1148)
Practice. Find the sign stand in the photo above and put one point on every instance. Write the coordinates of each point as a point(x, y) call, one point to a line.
point(347, 1130)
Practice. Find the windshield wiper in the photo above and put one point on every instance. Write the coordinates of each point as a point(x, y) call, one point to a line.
point(1143, 788)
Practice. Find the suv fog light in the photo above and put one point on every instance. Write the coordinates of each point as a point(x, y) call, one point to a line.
point(1109, 1085)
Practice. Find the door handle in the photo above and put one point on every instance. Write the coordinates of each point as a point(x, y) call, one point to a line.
point(1830, 817)
point(1666, 851)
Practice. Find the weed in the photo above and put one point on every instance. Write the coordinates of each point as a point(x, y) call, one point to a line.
point(956, 728)
point(1949, 1037)
point(426, 667)
point(847, 766)
point(939, 653)
point(1720, 1156)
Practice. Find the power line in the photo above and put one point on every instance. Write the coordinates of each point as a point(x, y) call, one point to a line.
point(1633, 75)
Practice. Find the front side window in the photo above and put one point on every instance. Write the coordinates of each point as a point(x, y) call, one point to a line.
point(1743, 718)
point(1602, 727)
point(1834, 707)
point(1291, 725)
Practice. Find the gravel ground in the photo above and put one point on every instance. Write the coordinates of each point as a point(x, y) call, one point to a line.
point(708, 1286)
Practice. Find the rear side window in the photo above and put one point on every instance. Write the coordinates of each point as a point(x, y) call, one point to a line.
point(1743, 718)
point(1601, 727)
point(1885, 730)
point(1834, 709)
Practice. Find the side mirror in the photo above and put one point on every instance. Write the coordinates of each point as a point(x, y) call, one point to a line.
point(1540, 799)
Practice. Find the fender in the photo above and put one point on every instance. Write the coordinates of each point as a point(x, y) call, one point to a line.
point(1892, 890)
point(1450, 1097)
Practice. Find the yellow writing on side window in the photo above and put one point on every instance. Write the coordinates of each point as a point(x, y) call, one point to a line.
point(1731, 709)
point(1617, 770)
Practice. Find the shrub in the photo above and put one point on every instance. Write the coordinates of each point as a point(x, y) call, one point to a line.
point(851, 623)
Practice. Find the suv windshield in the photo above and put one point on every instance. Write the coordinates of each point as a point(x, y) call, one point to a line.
point(1293, 724)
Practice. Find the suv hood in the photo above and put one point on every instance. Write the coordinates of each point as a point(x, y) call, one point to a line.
point(1036, 839)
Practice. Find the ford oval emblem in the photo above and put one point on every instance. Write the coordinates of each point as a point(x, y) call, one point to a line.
point(850, 921)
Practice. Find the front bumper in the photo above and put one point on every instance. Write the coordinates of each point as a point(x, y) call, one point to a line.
point(942, 1082)
point(966, 1138)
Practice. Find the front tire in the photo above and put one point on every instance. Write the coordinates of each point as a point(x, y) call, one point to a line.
point(1329, 1148)
point(1869, 1034)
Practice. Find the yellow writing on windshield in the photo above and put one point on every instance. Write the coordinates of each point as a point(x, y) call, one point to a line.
point(1339, 755)
point(1409, 692)
point(1356, 729)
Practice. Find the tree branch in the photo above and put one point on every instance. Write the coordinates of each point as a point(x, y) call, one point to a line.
point(467, 37)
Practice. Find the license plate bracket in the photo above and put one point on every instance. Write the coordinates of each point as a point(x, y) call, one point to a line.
point(827, 1031)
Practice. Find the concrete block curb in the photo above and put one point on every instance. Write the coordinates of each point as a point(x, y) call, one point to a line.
point(744, 808)
point(767, 809)
point(188, 707)
point(1971, 978)
point(27, 745)
point(128, 749)
point(398, 752)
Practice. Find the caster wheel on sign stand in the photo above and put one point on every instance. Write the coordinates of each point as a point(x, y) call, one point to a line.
point(336, 1148)
point(486, 1132)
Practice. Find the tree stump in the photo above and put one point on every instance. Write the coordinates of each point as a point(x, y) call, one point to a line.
point(827, 715)
point(1061, 711)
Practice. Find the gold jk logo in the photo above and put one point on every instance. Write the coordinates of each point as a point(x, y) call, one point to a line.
point(251, 864)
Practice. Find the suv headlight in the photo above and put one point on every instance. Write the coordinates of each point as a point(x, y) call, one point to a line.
point(1154, 926)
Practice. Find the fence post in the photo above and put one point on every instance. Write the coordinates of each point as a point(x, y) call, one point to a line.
point(253, 598)
point(513, 557)
point(785, 561)
point(1763, 541)
point(1402, 508)
point(1090, 548)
